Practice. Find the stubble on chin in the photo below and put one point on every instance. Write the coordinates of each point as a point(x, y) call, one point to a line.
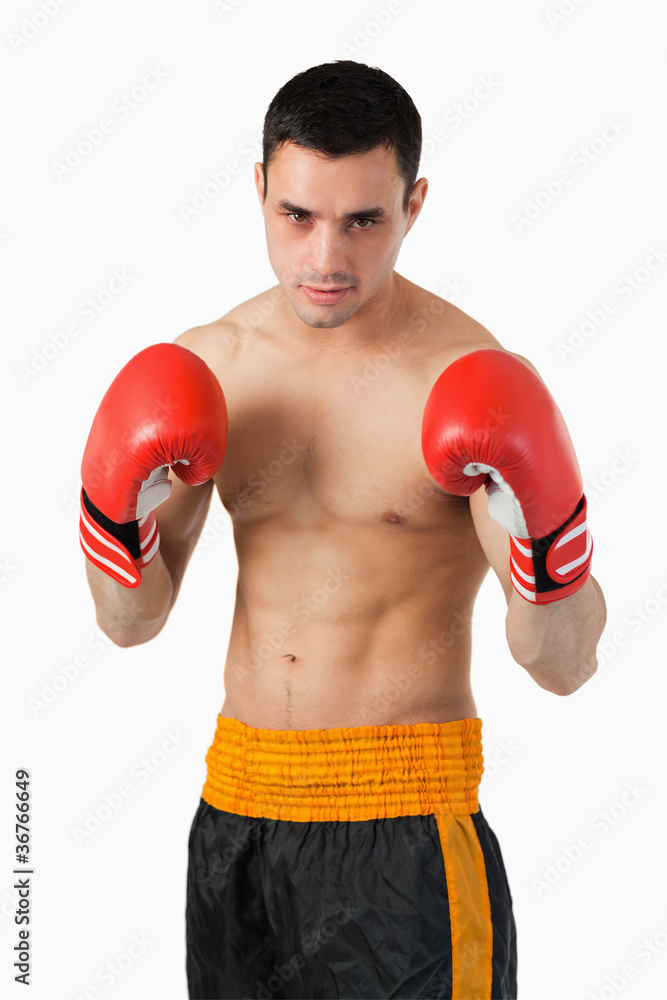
point(324, 318)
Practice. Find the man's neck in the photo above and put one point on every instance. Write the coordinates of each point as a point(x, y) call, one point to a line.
point(374, 325)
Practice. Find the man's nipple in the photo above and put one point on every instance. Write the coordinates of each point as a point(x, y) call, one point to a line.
point(393, 517)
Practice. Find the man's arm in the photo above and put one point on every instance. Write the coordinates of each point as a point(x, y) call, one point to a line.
point(493, 432)
point(132, 616)
point(556, 643)
point(165, 408)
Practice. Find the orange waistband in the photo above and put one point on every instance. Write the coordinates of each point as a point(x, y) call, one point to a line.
point(367, 772)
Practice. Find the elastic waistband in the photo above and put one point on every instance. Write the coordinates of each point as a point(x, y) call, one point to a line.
point(367, 772)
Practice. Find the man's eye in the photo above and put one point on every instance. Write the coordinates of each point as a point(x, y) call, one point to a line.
point(298, 217)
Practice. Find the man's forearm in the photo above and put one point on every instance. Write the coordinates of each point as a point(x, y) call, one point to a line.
point(130, 616)
point(556, 643)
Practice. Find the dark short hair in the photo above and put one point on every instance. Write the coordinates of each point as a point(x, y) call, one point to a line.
point(345, 107)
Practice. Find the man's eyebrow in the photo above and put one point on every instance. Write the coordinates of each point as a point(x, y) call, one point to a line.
point(365, 213)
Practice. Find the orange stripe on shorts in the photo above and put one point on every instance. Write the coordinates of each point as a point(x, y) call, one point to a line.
point(470, 908)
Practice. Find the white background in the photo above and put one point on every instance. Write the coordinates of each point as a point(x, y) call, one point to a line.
point(554, 765)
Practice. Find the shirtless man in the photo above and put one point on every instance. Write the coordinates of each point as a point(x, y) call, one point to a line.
point(339, 848)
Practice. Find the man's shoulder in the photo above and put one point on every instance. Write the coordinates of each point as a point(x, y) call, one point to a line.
point(224, 338)
point(445, 333)
point(444, 330)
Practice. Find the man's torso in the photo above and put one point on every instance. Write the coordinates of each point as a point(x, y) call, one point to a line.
point(357, 572)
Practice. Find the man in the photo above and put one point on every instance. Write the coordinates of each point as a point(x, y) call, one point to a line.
point(339, 848)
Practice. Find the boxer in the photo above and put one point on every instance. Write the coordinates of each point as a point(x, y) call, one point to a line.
point(377, 451)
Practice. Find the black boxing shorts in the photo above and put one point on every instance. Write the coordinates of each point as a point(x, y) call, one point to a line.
point(347, 863)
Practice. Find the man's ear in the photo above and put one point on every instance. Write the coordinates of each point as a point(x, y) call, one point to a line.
point(259, 181)
point(416, 202)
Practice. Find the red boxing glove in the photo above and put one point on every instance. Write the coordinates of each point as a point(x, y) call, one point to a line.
point(490, 420)
point(164, 409)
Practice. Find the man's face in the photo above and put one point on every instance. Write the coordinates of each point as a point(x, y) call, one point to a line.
point(334, 224)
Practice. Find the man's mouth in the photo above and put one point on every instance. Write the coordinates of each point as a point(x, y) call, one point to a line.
point(322, 296)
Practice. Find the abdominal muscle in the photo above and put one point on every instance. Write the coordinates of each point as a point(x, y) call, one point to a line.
point(347, 627)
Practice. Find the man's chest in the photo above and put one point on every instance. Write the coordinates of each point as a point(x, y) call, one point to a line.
point(316, 448)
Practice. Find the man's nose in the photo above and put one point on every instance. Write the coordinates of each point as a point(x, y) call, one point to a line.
point(327, 253)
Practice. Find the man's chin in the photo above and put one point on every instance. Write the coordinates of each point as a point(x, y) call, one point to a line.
point(323, 317)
